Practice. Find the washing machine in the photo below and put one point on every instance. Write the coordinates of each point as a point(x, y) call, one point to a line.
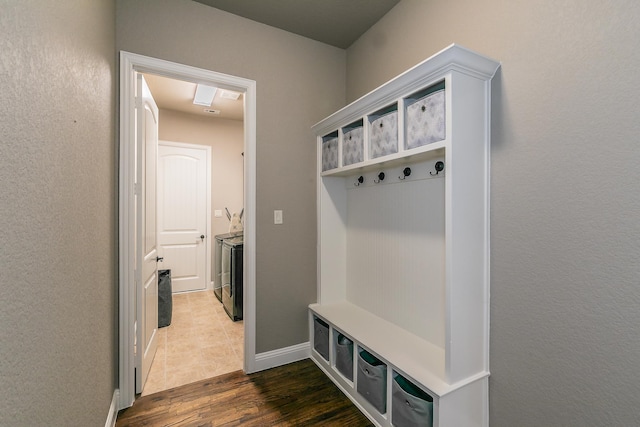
point(217, 262)
point(231, 277)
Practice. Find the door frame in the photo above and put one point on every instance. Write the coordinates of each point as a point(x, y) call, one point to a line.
point(208, 279)
point(130, 63)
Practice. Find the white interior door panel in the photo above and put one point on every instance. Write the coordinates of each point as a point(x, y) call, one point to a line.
point(182, 213)
point(146, 274)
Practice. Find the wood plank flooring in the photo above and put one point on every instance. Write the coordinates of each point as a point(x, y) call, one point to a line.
point(298, 394)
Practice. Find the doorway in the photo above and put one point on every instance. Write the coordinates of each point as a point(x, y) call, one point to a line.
point(130, 64)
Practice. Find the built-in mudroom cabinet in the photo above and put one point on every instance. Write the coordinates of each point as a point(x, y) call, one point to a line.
point(402, 319)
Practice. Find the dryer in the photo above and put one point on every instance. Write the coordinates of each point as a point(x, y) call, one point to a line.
point(231, 277)
point(217, 262)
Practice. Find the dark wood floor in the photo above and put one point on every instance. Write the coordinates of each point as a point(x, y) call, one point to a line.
point(298, 394)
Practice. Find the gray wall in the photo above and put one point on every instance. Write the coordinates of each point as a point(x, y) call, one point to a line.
point(565, 195)
point(299, 82)
point(58, 210)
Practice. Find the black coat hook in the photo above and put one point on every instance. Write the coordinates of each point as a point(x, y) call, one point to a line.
point(405, 173)
point(359, 181)
point(439, 168)
point(380, 178)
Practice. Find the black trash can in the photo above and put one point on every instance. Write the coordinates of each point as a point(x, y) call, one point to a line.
point(165, 299)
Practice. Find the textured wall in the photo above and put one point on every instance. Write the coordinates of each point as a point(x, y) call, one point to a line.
point(58, 211)
point(565, 196)
point(299, 82)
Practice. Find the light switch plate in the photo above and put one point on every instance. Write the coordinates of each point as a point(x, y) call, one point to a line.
point(277, 217)
point(217, 213)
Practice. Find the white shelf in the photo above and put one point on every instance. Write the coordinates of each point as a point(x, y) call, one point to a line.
point(419, 359)
point(426, 152)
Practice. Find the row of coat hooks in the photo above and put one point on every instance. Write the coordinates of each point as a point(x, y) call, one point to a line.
point(439, 167)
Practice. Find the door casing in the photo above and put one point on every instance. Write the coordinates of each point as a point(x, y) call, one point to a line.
point(131, 63)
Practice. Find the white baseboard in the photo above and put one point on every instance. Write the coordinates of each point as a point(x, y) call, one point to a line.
point(281, 356)
point(113, 410)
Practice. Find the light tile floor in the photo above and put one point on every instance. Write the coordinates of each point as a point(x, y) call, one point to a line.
point(201, 342)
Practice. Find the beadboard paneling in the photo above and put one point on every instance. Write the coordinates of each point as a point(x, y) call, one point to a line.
point(395, 254)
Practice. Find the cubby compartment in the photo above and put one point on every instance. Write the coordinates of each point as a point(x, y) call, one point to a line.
point(353, 143)
point(343, 354)
point(383, 133)
point(372, 380)
point(410, 405)
point(425, 117)
point(321, 337)
point(330, 150)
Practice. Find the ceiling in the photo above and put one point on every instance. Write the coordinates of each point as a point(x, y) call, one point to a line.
point(335, 22)
point(178, 95)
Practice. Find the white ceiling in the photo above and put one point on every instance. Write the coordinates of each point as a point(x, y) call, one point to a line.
point(335, 22)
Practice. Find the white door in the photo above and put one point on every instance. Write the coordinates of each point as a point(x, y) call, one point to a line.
point(183, 186)
point(146, 275)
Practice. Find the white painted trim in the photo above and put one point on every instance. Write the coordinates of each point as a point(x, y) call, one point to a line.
point(129, 64)
point(282, 356)
point(112, 416)
point(209, 230)
point(126, 298)
point(208, 280)
point(453, 57)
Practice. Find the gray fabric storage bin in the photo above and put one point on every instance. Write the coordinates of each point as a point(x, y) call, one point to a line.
point(353, 146)
point(384, 135)
point(321, 337)
point(426, 120)
point(344, 356)
point(372, 380)
point(329, 154)
point(410, 406)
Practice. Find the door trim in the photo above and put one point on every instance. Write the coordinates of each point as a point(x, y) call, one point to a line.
point(208, 279)
point(131, 63)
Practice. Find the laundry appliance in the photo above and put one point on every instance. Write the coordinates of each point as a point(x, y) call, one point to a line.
point(217, 262)
point(231, 276)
